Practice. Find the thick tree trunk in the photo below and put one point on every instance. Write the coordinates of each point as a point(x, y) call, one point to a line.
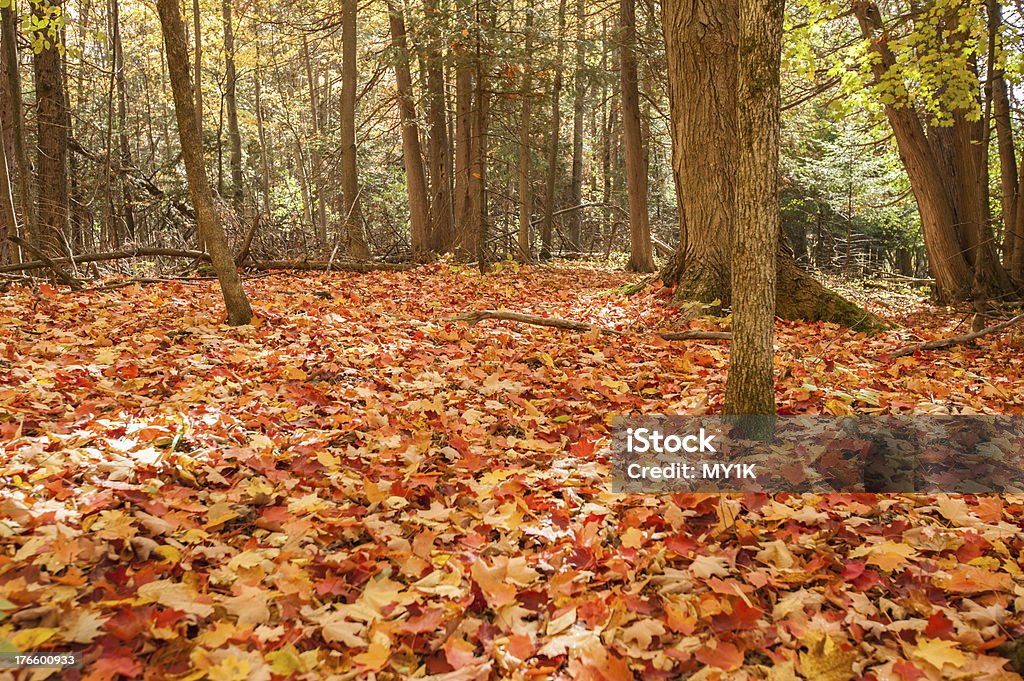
point(52, 141)
point(946, 255)
point(750, 385)
point(701, 40)
point(354, 237)
point(442, 228)
point(416, 183)
point(578, 110)
point(231, 103)
point(641, 253)
point(212, 231)
point(525, 122)
point(548, 219)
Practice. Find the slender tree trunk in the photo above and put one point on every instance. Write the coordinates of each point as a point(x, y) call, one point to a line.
point(123, 142)
point(8, 219)
point(238, 310)
point(22, 167)
point(481, 126)
point(231, 102)
point(750, 385)
point(415, 178)
point(316, 179)
point(442, 228)
point(1004, 132)
point(197, 67)
point(466, 226)
point(526, 95)
point(578, 111)
point(548, 220)
point(354, 237)
point(641, 254)
point(261, 132)
point(52, 141)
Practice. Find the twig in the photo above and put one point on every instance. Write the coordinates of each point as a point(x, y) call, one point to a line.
point(48, 262)
point(941, 343)
point(477, 316)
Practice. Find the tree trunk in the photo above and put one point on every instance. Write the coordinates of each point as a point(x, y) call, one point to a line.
point(641, 253)
point(466, 227)
point(416, 183)
point(8, 218)
point(257, 77)
point(442, 229)
point(316, 175)
point(1004, 131)
point(481, 126)
point(578, 109)
point(548, 219)
point(354, 237)
point(21, 165)
point(52, 140)
point(197, 67)
point(207, 217)
point(750, 385)
point(231, 102)
point(702, 55)
point(526, 95)
point(123, 143)
point(953, 276)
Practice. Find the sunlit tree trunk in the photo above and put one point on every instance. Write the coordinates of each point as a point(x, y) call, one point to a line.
point(52, 140)
point(750, 385)
point(238, 310)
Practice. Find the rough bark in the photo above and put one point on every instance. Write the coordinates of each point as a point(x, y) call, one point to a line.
point(231, 103)
point(701, 40)
point(442, 228)
point(354, 237)
point(466, 231)
point(412, 154)
point(197, 65)
point(750, 384)
point(548, 220)
point(1004, 136)
point(641, 254)
point(8, 218)
point(52, 140)
point(20, 162)
point(212, 231)
point(123, 143)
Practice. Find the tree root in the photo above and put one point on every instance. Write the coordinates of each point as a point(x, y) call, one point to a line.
point(477, 316)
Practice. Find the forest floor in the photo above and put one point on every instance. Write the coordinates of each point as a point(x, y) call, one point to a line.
point(353, 486)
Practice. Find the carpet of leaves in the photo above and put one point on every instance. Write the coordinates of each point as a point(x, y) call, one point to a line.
point(353, 487)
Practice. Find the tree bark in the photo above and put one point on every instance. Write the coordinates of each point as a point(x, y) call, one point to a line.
point(231, 103)
point(442, 228)
point(466, 227)
point(212, 231)
point(8, 218)
point(20, 162)
point(197, 67)
point(1004, 135)
point(548, 219)
point(123, 143)
point(316, 176)
point(356, 240)
point(52, 139)
point(525, 141)
point(750, 385)
point(412, 154)
point(641, 254)
point(579, 105)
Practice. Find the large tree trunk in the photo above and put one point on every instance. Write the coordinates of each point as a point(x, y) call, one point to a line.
point(52, 159)
point(22, 168)
point(641, 253)
point(207, 217)
point(416, 183)
point(526, 95)
point(578, 109)
point(750, 385)
point(354, 237)
point(548, 219)
point(701, 40)
point(442, 228)
point(231, 102)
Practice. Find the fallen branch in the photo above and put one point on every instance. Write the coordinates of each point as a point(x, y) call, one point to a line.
point(318, 266)
point(113, 255)
point(48, 262)
point(477, 316)
point(957, 340)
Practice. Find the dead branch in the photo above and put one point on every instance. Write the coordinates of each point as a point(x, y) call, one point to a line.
point(113, 255)
point(475, 317)
point(48, 262)
point(317, 266)
point(941, 343)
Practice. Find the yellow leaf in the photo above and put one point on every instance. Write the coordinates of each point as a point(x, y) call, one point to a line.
point(171, 555)
point(632, 538)
point(286, 661)
point(939, 653)
point(27, 640)
point(825, 660)
point(375, 657)
point(295, 374)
